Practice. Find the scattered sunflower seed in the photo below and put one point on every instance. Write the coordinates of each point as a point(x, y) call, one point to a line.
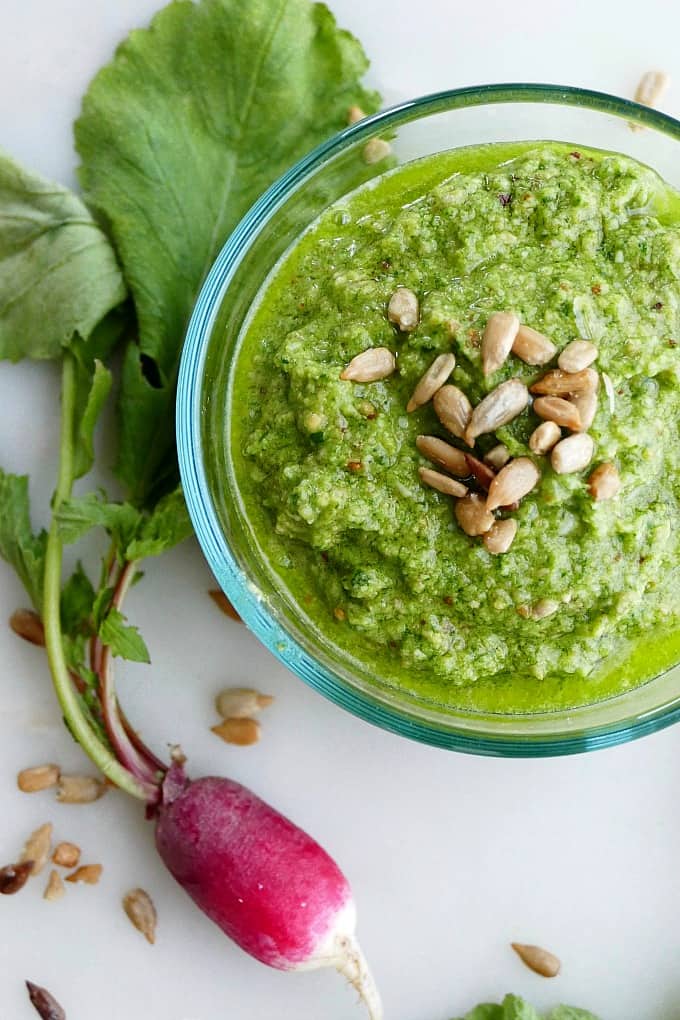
point(543, 608)
point(403, 309)
point(650, 90)
point(242, 732)
point(87, 873)
point(560, 411)
point(40, 777)
point(453, 409)
point(375, 150)
point(370, 366)
point(432, 380)
point(573, 453)
point(539, 960)
point(443, 454)
point(500, 536)
point(543, 438)
point(241, 702)
point(66, 855)
point(139, 907)
point(497, 340)
point(498, 456)
point(55, 888)
point(45, 1004)
point(442, 483)
point(497, 408)
point(472, 515)
point(586, 404)
point(557, 383)
point(512, 482)
point(13, 877)
point(27, 625)
point(532, 347)
point(223, 603)
point(37, 848)
point(577, 355)
point(80, 789)
point(604, 482)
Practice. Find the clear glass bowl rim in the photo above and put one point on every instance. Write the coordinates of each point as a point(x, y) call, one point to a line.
point(194, 480)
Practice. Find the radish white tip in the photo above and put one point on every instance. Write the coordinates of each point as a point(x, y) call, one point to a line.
point(351, 963)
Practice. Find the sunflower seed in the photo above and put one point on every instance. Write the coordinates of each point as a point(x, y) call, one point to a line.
point(80, 789)
point(55, 888)
point(453, 409)
point(532, 347)
point(40, 777)
point(586, 404)
point(572, 454)
point(512, 482)
point(433, 380)
point(442, 483)
point(27, 625)
point(559, 411)
point(557, 383)
point(539, 960)
point(651, 87)
point(371, 365)
point(13, 877)
point(499, 336)
point(354, 114)
point(375, 150)
point(37, 848)
point(497, 408)
point(87, 873)
point(480, 471)
point(46, 1005)
point(139, 907)
point(497, 457)
point(66, 855)
point(604, 482)
point(242, 732)
point(500, 536)
point(543, 438)
point(241, 702)
point(577, 355)
point(472, 515)
point(443, 454)
point(403, 309)
point(543, 608)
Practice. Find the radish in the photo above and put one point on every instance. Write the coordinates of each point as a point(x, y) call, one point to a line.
point(267, 884)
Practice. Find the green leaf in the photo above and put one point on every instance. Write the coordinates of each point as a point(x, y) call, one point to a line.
point(98, 391)
point(571, 1013)
point(58, 271)
point(486, 1011)
point(23, 550)
point(514, 1008)
point(77, 598)
point(166, 526)
point(124, 640)
point(179, 134)
point(77, 516)
point(100, 606)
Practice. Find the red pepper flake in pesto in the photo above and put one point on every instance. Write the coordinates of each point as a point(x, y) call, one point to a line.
point(45, 1004)
point(672, 343)
point(575, 155)
point(657, 306)
point(596, 288)
point(354, 466)
point(386, 265)
point(448, 600)
point(505, 199)
point(339, 613)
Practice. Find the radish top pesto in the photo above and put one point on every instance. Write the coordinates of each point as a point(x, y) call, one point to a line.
point(500, 248)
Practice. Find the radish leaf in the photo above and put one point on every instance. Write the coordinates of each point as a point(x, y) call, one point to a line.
point(123, 639)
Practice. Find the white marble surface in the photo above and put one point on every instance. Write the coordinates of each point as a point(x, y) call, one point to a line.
point(451, 857)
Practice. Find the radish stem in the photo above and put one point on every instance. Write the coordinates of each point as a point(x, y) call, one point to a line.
point(70, 706)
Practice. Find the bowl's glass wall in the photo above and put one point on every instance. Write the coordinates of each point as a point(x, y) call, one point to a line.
point(461, 118)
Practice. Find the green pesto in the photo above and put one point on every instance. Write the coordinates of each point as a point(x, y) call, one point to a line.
point(578, 244)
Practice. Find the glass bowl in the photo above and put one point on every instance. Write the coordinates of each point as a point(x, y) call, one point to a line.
point(461, 117)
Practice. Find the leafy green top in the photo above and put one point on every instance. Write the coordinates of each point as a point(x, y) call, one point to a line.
point(514, 1008)
point(58, 271)
point(179, 134)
